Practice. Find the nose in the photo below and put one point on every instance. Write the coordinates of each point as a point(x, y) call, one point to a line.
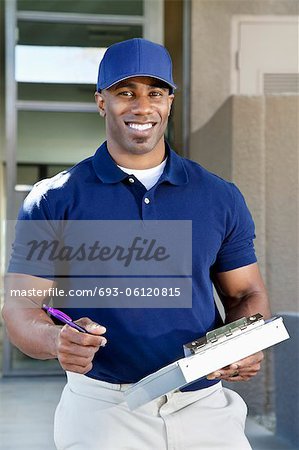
point(142, 105)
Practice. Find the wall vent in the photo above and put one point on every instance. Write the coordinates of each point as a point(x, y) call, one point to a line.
point(281, 83)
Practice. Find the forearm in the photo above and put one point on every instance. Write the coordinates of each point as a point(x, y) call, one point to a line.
point(31, 330)
point(246, 306)
point(242, 293)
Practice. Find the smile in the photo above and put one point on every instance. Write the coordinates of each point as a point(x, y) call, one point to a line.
point(139, 126)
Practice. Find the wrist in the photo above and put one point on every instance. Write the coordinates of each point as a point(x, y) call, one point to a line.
point(54, 340)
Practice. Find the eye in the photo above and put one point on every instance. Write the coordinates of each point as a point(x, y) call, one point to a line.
point(156, 94)
point(125, 93)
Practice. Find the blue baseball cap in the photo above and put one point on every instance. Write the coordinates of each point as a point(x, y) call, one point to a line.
point(133, 58)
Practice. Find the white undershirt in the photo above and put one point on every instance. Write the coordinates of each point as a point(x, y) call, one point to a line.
point(148, 177)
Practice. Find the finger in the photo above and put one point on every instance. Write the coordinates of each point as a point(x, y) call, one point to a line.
point(77, 369)
point(235, 379)
point(244, 368)
point(71, 335)
point(214, 375)
point(73, 360)
point(227, 374)
point(248, 361)
point(237, 375)
point(77, 350)
point(248, 367)
point(245, 362)
point(95, 329)
point(250, 371)
point(223, 373)
point(90, 326)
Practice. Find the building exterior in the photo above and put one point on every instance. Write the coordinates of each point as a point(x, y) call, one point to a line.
point(236, 113)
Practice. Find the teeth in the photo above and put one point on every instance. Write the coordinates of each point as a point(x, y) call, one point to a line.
point(139, 127)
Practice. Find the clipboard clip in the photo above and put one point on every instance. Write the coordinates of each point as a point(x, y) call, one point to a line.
point(226, 331)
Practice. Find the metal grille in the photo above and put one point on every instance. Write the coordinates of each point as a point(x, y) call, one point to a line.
point(281, 83)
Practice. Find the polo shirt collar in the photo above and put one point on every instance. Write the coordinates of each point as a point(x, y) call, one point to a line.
point(108, 171)
point(104, 166)
point(174, 171)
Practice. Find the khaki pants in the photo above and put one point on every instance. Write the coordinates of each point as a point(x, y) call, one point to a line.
point(93, 415)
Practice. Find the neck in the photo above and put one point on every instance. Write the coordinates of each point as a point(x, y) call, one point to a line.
point(137, 161)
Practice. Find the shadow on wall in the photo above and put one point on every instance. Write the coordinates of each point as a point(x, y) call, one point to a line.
point(211, 146)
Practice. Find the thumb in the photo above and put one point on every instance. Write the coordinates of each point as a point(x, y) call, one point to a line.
point(92, 327)
point(95, 328)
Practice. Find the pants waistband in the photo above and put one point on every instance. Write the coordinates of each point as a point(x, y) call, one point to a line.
point(82, 384)
point(78, 380)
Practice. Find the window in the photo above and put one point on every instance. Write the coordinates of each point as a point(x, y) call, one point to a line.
point(45, 64)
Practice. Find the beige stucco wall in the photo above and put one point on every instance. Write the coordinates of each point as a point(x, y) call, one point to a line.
point(282, 201)
point(248, 163)
point(252, 141)
point(210, 50)
point(265, 166)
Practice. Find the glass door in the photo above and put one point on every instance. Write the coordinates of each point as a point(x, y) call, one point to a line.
point(51, 119)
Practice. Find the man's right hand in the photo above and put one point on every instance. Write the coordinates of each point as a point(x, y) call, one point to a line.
point(76, 350)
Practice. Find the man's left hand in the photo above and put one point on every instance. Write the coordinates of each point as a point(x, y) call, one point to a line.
point(242, 370)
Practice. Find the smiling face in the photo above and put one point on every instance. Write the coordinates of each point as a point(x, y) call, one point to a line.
point(136, 112)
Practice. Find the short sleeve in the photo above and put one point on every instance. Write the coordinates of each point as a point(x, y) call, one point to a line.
point(34, 226)
point(237, 249)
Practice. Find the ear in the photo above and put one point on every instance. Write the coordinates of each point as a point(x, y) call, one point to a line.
point(170, 100)
point(100, 101)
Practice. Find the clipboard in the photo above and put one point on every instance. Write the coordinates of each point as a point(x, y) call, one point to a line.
point(219, 348)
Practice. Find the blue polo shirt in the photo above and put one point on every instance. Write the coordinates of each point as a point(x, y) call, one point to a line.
point(140, 341)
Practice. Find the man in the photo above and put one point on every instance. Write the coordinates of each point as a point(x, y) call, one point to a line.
point(136, 176)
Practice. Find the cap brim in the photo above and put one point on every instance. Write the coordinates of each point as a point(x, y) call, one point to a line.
point(109, 85)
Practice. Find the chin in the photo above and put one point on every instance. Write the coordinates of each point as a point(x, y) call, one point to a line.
point(141, 148)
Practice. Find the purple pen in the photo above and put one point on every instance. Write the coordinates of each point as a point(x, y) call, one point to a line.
point(64, 318)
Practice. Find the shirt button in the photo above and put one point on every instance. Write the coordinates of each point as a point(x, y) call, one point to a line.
point(146, 200)
point(131, 180)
